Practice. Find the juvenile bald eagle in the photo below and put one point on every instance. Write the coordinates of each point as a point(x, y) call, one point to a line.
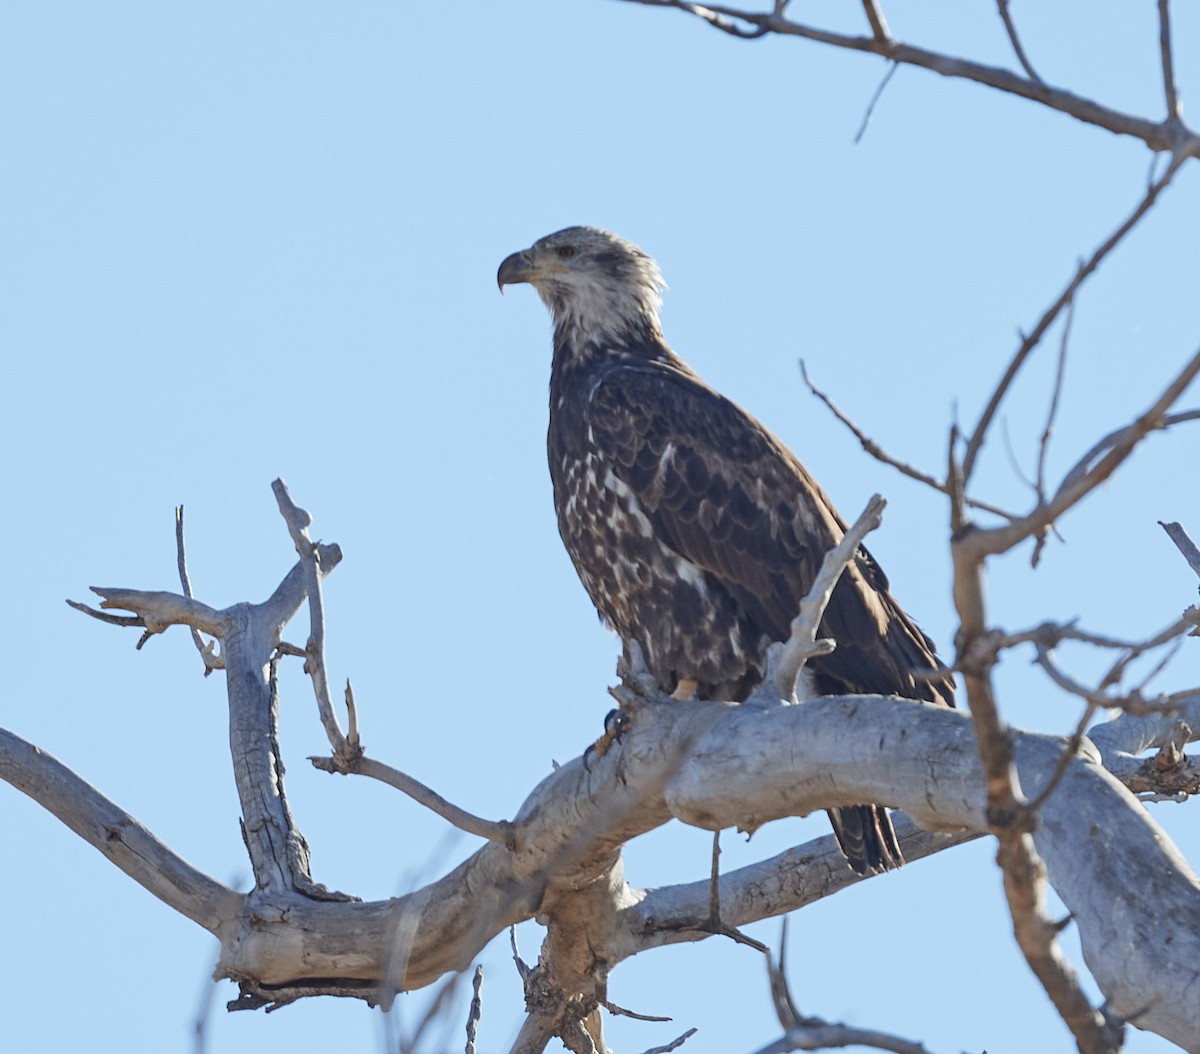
point(695, 531)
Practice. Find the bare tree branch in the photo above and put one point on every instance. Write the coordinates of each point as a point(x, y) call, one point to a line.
point(129, 621)
point(1009, 819)
point(155, 610)
point(1168, 63)
point(786, 661)
point(675, 1044)
point(723, 766)
point(1183, 543)
point(1048, 429)
point(620, 1011)
point(207, 649)
point(1011, 29)
point(1089, 472)
point(1081, 468)
point(767, 889)
point(494, 831)
point(878, 24)
point(1189, 621)
point(813, 1033)
point(1155, 135)
point(876, 451)
point(862, 128)
point(298, 522)
point(118, 836)
point(249, 636)
point(476, 1011)
point(1029, 343)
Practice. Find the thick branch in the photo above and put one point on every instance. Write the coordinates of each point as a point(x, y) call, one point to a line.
point(108, 828)
point(1136, 902)
point(249, 635)
point(732, 779)
point(767, 889)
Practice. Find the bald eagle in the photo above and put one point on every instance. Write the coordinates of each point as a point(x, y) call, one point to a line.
point(695, 531)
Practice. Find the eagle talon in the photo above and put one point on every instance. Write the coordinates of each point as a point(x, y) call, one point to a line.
point(616, 723)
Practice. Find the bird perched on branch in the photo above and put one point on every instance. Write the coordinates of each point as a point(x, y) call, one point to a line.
point(695, 531)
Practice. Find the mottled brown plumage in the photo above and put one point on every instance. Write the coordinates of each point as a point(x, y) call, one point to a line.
point(694, 530)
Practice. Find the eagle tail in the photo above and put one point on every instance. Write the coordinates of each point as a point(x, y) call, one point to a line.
point(867, 838)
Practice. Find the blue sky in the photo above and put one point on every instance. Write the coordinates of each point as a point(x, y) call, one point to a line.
point(249, 241)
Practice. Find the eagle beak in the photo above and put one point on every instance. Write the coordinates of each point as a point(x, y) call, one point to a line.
point(518, 267)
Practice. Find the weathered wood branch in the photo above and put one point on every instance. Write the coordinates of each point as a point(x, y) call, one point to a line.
point(786, 660)
point(298, 522)
point(248, 635)
point(110, 829)
point(715, 766)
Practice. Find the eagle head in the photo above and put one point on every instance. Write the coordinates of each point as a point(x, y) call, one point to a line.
point(593, 282)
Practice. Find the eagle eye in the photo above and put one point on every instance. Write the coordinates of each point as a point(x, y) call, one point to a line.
point(565, 252)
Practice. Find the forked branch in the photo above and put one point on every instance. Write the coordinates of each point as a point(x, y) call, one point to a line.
point(298, 522)
point(745, 24)
point(786, 661)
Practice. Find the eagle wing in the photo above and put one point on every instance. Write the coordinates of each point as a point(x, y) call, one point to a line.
point(722, 492)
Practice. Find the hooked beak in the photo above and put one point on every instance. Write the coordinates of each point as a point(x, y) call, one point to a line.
point(518, 267)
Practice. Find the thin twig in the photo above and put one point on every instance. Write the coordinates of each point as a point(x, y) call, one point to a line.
point(1189, 621)
point(476, 1009)
point(1169, 653)
point(1055, 397)
point(104, 616)
point(1102, 446)
point(714, 879)
point(1091, 470)
point(1048, 431)
point(620, 1011)
point(500, 831)
point(1011, 29)
point(724, 19)
point(351, 715)
point(869, 444)
point(1132, 702)
point(523, 968)
point(1168, 63)
point(1014, 462)
point(1070, 751)
point(433, 1013)
point(879, 454)
point(813, 1033)
point(207, 649)
point(862, 128)
point(975, 443)
point(1153, 133)
point(675, 1044)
